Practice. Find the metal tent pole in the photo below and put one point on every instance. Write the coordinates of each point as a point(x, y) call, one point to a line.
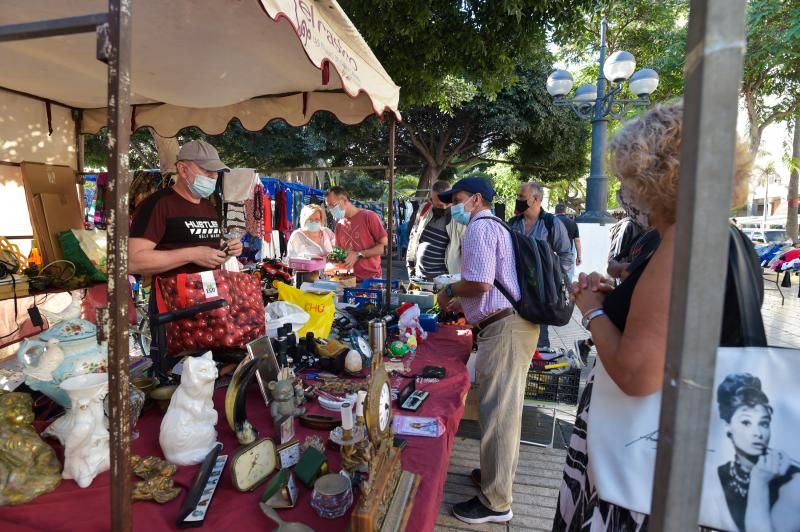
point(390, 212)
point(114, 47)
point(716, 43)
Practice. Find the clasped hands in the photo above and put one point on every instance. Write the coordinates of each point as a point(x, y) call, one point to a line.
point(589, 291)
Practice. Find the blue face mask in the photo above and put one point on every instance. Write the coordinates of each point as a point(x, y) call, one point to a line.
point(337, 212)
point(459, 214)
point(312, 226)
point(203, 186)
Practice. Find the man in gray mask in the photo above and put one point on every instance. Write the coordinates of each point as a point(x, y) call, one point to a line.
point(537, 224)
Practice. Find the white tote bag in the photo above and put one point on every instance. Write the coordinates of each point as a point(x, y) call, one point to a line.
point(759, 397)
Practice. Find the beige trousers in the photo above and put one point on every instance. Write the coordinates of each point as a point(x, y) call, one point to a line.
point(504, 355)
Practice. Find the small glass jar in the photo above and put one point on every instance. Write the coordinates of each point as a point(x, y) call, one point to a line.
point(136, 401)
point(332, 496)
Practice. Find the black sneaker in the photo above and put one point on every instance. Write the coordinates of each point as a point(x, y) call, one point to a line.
point(474, 512)
point(475, 476)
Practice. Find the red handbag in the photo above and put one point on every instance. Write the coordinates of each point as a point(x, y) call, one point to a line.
point(228, 327)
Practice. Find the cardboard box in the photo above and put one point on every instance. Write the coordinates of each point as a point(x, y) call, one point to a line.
point(472, 403)
point(52, 195)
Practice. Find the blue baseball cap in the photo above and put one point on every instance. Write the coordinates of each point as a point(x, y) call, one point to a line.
point(473, 185)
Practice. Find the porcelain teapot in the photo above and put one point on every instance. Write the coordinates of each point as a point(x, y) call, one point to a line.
point(81, 355)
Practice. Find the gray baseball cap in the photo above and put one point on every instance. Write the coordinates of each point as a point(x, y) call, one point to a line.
point(202, 153)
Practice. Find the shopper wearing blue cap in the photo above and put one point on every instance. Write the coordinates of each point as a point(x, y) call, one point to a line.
point(505, 344)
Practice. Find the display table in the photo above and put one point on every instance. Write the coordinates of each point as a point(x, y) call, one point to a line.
point(71, 508)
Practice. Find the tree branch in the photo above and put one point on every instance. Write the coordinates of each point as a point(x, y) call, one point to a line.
point(413, 135)
point(778, 116)
point(459, 147)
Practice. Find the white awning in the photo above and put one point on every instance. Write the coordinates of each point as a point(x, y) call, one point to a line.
point(203, 62)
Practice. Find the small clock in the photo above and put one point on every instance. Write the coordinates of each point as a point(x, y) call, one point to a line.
point(251, 465)
point(361, 345)
point(289, 454)
point(378, 409)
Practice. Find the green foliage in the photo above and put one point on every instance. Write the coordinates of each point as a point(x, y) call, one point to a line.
point(654, 32)
point(506, 181)
point(143, 153)
point(425, 43)
point(278, 145)
point(361, 185)
point(771, 84)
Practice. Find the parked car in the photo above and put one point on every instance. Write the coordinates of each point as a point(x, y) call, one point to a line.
point(757, 236)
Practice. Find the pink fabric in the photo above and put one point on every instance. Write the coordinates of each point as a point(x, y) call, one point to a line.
point(70, 507)
point(487, 254)
point(359, 233)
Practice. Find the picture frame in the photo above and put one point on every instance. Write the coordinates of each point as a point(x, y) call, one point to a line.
point(261, 348)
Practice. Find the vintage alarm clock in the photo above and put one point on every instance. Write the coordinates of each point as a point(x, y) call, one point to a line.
point(289, 454)
point(251, 465)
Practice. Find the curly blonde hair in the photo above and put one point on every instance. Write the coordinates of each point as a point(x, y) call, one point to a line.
point(645, 155)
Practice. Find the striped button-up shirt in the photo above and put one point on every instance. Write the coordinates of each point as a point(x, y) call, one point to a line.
point(487, 253)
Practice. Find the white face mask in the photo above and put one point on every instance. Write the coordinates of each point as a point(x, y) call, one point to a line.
point(640, 214)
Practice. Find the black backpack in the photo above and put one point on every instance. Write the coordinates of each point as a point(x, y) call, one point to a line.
point(544, 286)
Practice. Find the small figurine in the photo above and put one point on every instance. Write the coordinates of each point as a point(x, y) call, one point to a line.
point(28, 466)
point(187, 430)
point(152, 467)
point(159, 489)
point(299, 392)
point(408, 322)
point(52, 357)
point(86, 449)
point(157, 484)
point(284, 401)
point(398, 349)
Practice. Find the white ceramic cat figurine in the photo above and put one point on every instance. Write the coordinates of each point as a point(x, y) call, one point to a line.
point(187, 430)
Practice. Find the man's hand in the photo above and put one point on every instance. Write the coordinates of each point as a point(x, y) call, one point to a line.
point(352, 258)
point(235, 247)
point(578, 260)
point(208, 257)
point(443, 300)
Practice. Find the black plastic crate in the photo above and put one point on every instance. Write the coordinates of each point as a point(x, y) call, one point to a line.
point(543, 385)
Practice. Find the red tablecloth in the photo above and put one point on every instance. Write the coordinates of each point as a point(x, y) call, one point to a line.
point(71, 508)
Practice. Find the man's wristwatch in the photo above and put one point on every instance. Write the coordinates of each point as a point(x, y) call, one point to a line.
point(449, 291)
point(360, 254)
point(589, 316)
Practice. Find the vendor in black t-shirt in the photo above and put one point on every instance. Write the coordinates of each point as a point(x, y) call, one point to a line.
point(178, 230)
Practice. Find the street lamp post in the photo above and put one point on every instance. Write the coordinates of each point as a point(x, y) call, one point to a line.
point(597, 104)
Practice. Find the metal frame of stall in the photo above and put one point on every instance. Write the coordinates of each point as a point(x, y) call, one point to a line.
point(713, 72)
point(113, 31)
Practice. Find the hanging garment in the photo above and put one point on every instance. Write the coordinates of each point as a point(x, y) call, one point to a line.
point(254, 212)
point(282, 214)
point(235, 223)
point(267, 217)
point(297, 206)
point(238, 184)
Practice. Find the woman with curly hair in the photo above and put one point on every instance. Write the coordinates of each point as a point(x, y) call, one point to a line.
point(760, 485)
point(629, 323)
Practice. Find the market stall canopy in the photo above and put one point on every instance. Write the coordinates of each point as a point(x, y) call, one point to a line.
point(204, 62)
